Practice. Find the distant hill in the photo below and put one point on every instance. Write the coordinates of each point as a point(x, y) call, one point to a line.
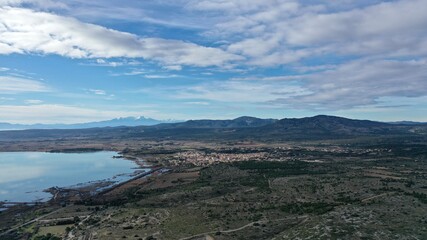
point(127, 121)
point(408, 123)
point(243, 128)
point(241, 122)
point(328, 124)
point(323, 127)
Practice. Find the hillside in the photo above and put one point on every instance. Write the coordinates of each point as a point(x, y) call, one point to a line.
point(241, 122)
point(318, 127)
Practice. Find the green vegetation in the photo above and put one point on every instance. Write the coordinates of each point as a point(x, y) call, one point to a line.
point(48, 236)
point(307, 207)
point(273, 169)
point(422, 197)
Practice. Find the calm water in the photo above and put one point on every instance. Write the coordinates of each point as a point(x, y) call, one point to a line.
point(24, 175)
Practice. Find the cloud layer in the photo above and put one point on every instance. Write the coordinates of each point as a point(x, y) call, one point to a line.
point(52, 34)
point(275, 32)
point(361, 83)
point(56, 113)
point(259, 33)
point(12, 85)
point(318, 56)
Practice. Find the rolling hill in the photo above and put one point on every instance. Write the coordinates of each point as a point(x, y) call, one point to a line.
point(243, 128)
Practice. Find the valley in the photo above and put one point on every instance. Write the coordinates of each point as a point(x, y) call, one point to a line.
point(356, 185)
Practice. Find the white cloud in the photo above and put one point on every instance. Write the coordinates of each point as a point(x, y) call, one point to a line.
point(157, 76)
point(104, 63)
point(272, 78)
point(267, 33)
point(97, 91)
point(236, 6)
point(314, 68)
point(239, 91)
point(133, 72)
point(4, 99)
point(33, 101)
point(361, 83)
point(100, 62)
point(326, 87)
point(40, 4)
point(55, 113)
point(387, 28)
point(53, 34)
point(197, 103)
point(133, 11)
point(355, 42)
point(173, 67)
point(12, 85)
point(273, 32)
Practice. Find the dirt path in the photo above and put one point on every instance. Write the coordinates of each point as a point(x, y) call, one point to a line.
point(376, 196)
point(71, 235)
point(60, 219)
point(305, 217)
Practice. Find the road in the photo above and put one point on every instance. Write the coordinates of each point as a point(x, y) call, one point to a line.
point(27, 223)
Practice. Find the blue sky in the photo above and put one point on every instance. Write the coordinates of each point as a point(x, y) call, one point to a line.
point(78, 61)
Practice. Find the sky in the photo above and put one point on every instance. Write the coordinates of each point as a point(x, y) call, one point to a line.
point(78, 61)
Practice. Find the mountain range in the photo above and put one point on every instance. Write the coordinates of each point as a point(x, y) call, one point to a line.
point(240, 122)
point(116, 122)
point(242, 128)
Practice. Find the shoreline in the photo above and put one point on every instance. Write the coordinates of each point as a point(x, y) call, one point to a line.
point(85, 189)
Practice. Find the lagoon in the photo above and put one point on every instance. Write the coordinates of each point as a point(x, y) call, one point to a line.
point(24, 175)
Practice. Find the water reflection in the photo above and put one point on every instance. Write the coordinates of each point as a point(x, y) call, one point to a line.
point(24, 175)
